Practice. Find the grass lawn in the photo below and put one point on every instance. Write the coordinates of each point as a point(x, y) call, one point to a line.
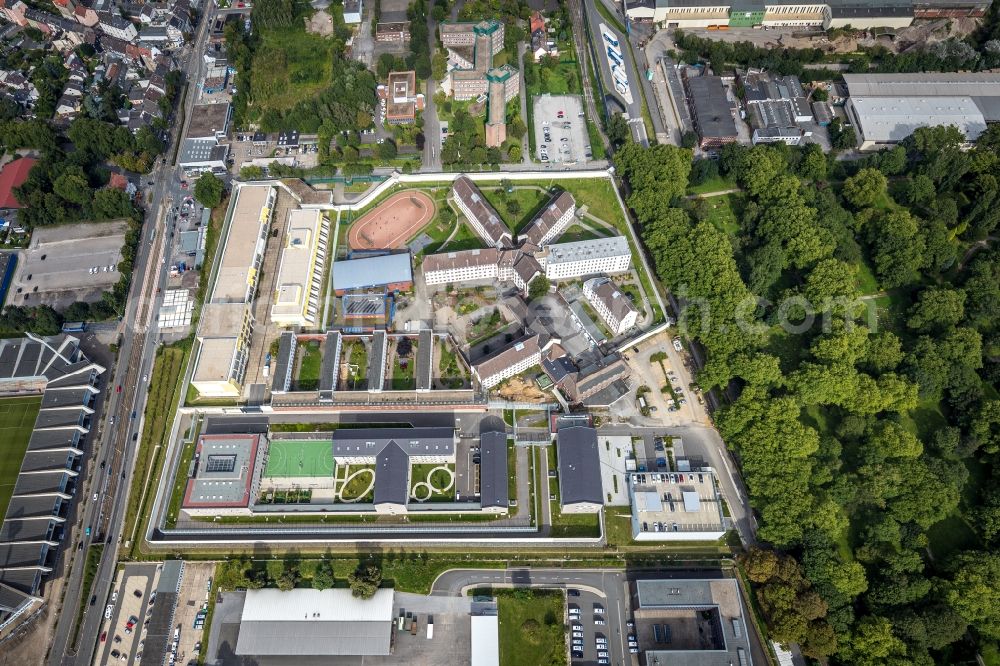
point(529, 202)
point(578, 232)
point(437, 479)
point(717, 184)
point(531, 627)
point(867, 283)
point(721, 215)
point(464, 239)
point(17, 420)
point(402, 372)
point(311, 356)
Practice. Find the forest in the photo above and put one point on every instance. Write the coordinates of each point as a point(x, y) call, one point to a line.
point(851, 328)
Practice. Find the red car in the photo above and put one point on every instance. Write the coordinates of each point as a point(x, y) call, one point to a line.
point(104, 636)
point(119, 389)
point(184, 185)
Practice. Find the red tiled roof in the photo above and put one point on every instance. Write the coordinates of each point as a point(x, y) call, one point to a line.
point(13, 175)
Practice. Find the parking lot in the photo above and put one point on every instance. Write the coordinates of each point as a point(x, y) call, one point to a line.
point(560, 129)
point(591, 637)
point(192, 600)
point(126, 616)
point(68, 263)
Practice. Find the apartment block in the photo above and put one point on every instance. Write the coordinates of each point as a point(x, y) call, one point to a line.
point(614, 307)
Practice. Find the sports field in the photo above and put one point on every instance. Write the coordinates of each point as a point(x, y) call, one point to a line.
point(390, 224)
point(17, 420)
point(287, 458)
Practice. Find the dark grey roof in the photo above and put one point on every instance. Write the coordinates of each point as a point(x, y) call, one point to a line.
point(376, 362)
point(33, 507)
point(493, 472)
point(47, 460)
point(51, 358)
point(369, 442)
point(34, 484)
point(558, 368)
point(59, 418)
point(42, 440)
point(425, 357)
point(579, 465)
point(710, 107)
point(282, 379)
point(27, 531)
point(22, 555)
point(392, 467)
point(67, 398)
point(331, 362)
point(24, 581)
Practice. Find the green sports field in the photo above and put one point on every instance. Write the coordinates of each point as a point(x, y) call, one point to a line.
point(17, 420)
point(299, 457)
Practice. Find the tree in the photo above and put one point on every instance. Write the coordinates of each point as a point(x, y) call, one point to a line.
point(323, 576)
point(974, 592)
point(831, 285)
point(288, 578)
point(813, 164)
point(937, 310)
point(365, 581)
point(404, 347)
point(689, 140)
point(865, 187)
point(208, 190)
point(898, 247)
point(538, 287)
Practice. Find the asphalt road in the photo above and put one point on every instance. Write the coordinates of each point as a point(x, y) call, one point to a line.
point(117, 447)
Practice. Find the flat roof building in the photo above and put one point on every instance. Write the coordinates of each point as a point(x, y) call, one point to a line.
point(677, 506)
point(690, 622)
point(580, 487)
point(485, 640)
point(391, 272)
point(606, 256)
point(209, 121)
point(886, 108)
point(314, 623)
point(300, 273)
point(227, 320)
point(402, 101)
point(711, 111)
point(226, 475)
point(199, 156)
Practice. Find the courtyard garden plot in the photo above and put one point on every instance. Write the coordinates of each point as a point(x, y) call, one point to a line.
point(434, 482)
point(308, 362)
point(354, 366)
point(403, 364)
